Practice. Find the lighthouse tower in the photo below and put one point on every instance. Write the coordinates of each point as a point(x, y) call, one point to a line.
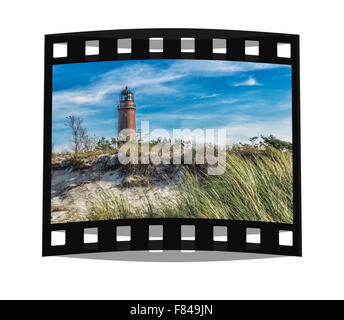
point(126, 113)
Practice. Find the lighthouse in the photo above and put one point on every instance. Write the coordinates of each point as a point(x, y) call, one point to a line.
point(126, 113)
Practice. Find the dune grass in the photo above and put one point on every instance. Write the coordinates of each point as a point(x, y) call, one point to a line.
point(256, 186)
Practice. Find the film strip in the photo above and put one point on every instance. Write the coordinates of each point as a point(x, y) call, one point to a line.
point(170, 234)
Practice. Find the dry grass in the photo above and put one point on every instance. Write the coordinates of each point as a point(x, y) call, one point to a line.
point(256, 186)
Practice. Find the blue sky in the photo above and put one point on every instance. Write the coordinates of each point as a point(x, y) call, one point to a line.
point(247, 98)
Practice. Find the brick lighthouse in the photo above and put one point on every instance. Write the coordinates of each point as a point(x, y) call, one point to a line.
point(126, 113)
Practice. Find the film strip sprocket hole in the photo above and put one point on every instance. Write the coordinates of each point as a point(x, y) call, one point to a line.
point(161, 234)
point(172, 234)
point(94, 50)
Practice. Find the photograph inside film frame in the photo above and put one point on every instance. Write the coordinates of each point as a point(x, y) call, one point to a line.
point(172, 139)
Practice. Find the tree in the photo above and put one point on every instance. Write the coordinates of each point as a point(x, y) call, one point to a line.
point(81, 141)
point(88, 143)
point(78, 132)
point(155, 142)
point(253, 140)
point(276, 143)
point(103, 145)
point(114, 142)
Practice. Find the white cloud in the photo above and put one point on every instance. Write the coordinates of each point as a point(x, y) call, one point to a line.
point(219, 68)
point(243, 130)
point(62, 148)
point(207, 96)
point(95, 93)
point(84, 101)
point(239, 128)
point(175, 116)
point(148, 80)
point(229, 101)
point(249, 82)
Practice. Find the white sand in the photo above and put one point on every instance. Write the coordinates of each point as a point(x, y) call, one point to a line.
point(70, 190)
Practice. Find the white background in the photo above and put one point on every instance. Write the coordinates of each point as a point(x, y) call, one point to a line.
point(25, 274)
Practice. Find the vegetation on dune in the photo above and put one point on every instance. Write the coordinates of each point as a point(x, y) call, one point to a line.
point(108, 205)
point(256, 186)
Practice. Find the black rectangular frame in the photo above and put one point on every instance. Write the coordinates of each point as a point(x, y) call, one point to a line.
point(172, 226)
